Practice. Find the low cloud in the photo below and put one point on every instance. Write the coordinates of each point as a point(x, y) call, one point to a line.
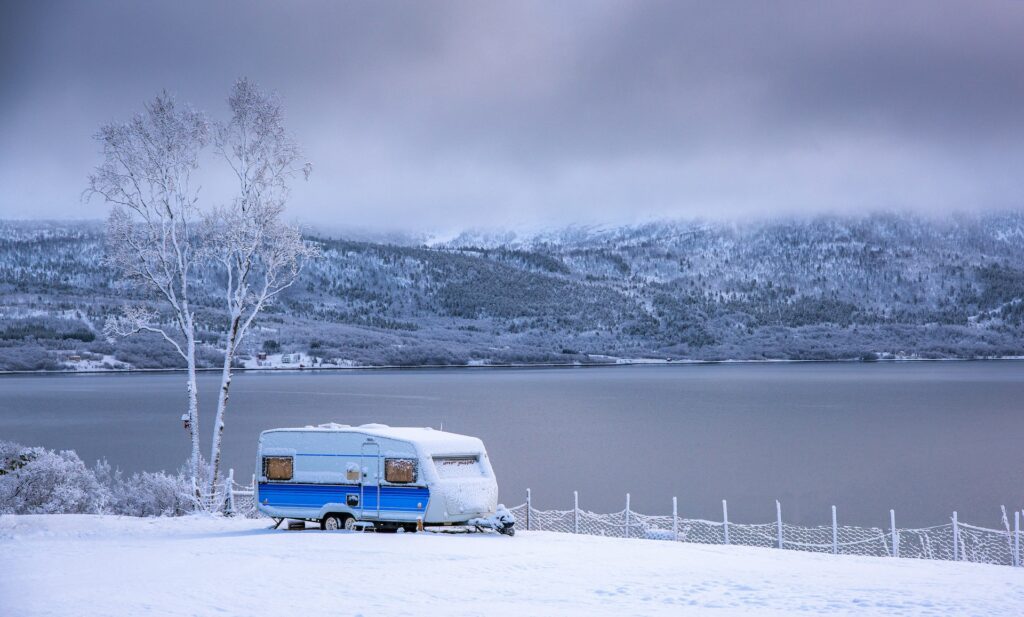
point(468, 114)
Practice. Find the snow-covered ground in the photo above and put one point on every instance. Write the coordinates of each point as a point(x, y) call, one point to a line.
point(102, 565)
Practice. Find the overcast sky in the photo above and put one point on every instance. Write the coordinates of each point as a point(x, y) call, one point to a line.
point(442, 115)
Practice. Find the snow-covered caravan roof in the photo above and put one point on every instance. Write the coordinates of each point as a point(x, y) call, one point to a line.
point(428, 440)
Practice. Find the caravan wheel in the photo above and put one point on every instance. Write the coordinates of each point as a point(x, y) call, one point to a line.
point(350, 524)
point(333, 522)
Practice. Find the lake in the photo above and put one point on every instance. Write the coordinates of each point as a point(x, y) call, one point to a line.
point(925, 438)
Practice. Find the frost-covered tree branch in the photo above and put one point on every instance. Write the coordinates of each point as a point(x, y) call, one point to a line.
point(135, 319)
point(152, 234)
point(257, 253)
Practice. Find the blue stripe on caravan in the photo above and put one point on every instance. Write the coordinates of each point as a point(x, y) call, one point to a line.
point(392, 498)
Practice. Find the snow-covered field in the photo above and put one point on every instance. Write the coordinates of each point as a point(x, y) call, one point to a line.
point(104, 565)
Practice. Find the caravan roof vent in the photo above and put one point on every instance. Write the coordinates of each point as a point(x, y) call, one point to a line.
point(374, 425)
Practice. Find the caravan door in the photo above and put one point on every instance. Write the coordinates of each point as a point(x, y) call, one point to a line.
point(369, 485)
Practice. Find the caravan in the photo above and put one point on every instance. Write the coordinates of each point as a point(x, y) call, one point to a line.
point(376, 476)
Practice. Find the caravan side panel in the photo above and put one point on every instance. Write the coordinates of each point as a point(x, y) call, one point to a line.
point(322, 480)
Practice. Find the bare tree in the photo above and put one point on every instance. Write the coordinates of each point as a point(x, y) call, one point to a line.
point(153, 235)
point(259, 255)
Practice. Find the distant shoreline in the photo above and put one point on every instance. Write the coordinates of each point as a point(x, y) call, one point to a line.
point(547, 365)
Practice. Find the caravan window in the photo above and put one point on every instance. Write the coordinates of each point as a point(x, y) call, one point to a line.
point(458, 466)
point(277, 467)
point(400, 470)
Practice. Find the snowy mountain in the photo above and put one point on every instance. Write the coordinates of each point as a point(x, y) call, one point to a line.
point(824, 288)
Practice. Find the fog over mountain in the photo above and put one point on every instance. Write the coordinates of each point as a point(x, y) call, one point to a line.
point(825, 288)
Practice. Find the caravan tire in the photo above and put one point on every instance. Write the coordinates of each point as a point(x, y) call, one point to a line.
point(333, 522)
point(350, 523)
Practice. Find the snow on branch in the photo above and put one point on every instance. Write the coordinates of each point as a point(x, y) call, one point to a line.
point(146, 176)
point(152, 236)
point(135, 319)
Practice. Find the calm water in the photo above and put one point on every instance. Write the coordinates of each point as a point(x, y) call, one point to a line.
point(923, 438)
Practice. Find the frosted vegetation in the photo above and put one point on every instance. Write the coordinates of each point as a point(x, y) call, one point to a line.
point(828, 288)
point(36, 480)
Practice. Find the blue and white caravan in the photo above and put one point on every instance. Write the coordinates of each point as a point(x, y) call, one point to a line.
point(390, 478)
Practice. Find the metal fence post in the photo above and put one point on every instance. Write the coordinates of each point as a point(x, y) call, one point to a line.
point(835, 533)
point(725, 520)
point(529, 506)
point(956, 538)
point(1016, 538)
point(778, 516)
point(675, 519)
point(575, 512)
point(627, 515)
point(895, 534)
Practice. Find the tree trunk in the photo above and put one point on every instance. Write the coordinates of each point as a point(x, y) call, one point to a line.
point(222, 404)
point(193, 415)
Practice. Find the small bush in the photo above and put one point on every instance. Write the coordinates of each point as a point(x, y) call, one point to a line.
point(144, 494)
point(41, 481)
point(35, 480)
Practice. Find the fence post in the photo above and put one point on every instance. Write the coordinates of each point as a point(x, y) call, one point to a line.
point(956, 538)
point(895, 534)
point(835, 533)
point(627, 515)
point(575, 511)
point(529, 506)
point(675, 519)
point(725, 520)
point(229, 489)
point(778, 516)
point(1016, 538)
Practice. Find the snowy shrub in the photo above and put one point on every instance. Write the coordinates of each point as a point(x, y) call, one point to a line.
point(41, 481)
point(35, 480)
point(146, 493)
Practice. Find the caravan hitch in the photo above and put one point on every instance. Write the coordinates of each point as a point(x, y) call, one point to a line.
point(503, 522)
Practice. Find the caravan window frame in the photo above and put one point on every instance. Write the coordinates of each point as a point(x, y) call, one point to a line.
point(394, 459)
point(273, 457)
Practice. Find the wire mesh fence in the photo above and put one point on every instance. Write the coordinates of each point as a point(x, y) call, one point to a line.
point(955, 541)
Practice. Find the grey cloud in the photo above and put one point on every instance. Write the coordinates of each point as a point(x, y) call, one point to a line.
point(451, 114)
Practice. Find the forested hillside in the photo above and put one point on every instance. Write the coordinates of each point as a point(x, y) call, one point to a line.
point(825, 288)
